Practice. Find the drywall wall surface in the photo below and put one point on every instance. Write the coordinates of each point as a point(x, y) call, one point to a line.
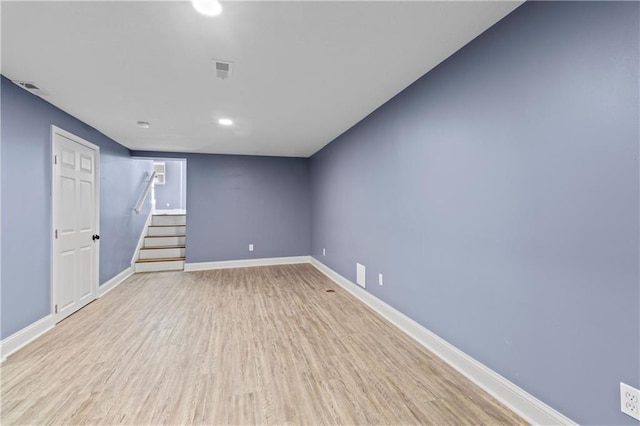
point(498, 196)
point(236, 200)
point(172, 194)
point(26, 204)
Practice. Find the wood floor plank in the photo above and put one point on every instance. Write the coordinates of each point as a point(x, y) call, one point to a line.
point(264, 345)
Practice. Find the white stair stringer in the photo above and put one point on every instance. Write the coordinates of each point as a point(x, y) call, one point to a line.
point(163, 248)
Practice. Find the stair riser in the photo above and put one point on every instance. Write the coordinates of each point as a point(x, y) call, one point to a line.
point(164, 241)
point(161, 253)
point(168, 220)
point(174, 265)
point(166, 231)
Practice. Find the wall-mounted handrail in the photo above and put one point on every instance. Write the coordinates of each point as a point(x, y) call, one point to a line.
point(147, 188)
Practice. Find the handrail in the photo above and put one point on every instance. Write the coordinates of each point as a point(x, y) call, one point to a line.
point(147, 188)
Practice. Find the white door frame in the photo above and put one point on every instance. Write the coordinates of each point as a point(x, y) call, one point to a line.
point(54, 219)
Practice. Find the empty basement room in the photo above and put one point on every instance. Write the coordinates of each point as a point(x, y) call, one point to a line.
point(388, 212)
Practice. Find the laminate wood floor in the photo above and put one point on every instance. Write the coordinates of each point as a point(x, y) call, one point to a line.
point(264, 345)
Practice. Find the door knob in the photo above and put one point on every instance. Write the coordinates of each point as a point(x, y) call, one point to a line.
point(96, 237)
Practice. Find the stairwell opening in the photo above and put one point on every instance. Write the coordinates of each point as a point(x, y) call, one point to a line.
point(164, 240)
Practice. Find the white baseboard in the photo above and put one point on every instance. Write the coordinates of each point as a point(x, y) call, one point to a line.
point(115, 281)
point(31, 332)
point(522, 403)
point(204, 266)
point(25, 336)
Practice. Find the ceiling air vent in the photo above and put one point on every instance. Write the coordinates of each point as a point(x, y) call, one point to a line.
point(32, 87)
point(223, 69)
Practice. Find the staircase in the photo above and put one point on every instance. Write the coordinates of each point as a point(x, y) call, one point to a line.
point(164, 245)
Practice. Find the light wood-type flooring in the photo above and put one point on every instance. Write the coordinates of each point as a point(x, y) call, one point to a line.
point(266, 345)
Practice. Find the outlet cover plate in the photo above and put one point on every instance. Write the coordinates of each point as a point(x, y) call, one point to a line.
point(630, 401)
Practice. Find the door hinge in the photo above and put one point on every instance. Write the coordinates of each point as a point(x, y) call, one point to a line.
point(56, 234)
point(55, 159)
point(56, 309)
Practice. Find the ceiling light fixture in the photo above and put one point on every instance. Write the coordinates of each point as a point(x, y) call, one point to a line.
point(207, 7)
point(225, 121)
point(143, 124)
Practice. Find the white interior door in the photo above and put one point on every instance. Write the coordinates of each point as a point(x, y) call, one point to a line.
point(75, 223)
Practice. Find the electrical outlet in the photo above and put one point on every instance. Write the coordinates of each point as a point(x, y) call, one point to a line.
point(630, 401)
point(380, 279)
point(250, 247)
point(324, 252)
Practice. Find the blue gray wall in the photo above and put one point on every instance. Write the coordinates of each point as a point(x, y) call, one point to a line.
point(26, 204)
point(173, 192)
point(498, 195)
point(234, 201)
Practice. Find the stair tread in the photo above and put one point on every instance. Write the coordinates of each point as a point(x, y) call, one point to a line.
point(165, 259)
point(169, 214)
point(165, 226)
point(163, 236)
point(162, 247)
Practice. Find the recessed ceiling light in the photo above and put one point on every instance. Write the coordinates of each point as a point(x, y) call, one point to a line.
point(143, 124)
point(207, 7)
point(225, 121)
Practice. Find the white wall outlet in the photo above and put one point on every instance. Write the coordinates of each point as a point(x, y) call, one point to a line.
point(250, 247)
point(324, 252)
point(361, 275)
point(380, 279)
point(630, 401)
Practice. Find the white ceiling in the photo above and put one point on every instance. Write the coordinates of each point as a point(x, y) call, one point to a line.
point(304, 72)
